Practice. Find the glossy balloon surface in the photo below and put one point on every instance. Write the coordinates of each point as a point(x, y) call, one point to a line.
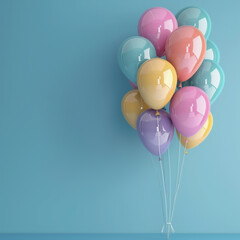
point(210, 78)
point(156, 24)
point(185, 50)
point(155, 132)
point(195, 17)
point(157, 81)
point(212, 52)
point(199, 137)
point(189, 110)
point(133, 52)
point(132, 106)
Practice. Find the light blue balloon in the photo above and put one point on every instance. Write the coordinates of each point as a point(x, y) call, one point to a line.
point(195, 17)
point(212, 52)
point(210, 78)
point(133, 52)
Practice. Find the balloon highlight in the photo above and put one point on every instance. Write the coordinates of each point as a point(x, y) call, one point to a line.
point(199, 137)
point(185, 50)
point(133, 52)
point(189, 110)
point(196, 17)
point(157, 81)
point(155, 131)
point(156, 24)
point(132, 106)
point(210, 78)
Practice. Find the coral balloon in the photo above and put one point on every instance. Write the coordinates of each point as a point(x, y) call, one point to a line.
point(157, 80)
point(155, 131)
point(210, 78)
point(189, 110)
point(156, 24)
point(212, 52)
point(185, 50)
point(199, 137)
point(132, 106)
point(196, 17)
point(133, 52)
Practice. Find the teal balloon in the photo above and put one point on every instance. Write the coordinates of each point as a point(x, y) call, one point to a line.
point(133, 52)
point(212, 52)
point(195, 17)
point(210, 78)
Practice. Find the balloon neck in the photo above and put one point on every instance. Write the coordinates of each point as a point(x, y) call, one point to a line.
point(180, 85)
point(186, 142)
point(157, 113)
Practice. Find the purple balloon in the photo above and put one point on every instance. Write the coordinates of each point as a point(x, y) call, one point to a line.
point(155, 132)
point(189, 110)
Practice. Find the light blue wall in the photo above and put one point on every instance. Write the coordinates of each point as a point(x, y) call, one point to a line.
point(68, 160)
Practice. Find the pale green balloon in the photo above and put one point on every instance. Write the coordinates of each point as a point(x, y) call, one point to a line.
point(133, 52)
point(196, 17)
point(212, 52)
point(210, 78)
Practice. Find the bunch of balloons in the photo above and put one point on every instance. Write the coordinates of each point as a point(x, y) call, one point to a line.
point(190, 78)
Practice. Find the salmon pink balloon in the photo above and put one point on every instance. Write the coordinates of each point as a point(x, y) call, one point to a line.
point(185, 49)
point(189, 110)
point(156, 24)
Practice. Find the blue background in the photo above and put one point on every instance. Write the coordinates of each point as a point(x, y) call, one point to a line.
point(68, 160)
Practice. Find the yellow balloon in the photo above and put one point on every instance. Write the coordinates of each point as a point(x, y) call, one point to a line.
point(196, 139)
point(157, 81)
point(132, 106)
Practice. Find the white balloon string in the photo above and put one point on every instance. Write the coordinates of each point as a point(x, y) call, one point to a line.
point(159, 185)
point(164, 188)
point(179, 181)
point(170, 184)
point(158, 135)
point(178, 169)
point(178, 164)
point(162, 170)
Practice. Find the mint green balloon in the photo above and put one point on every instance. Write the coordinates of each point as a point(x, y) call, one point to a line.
point(133, 52)
point(212, 52)
point(195, 17)
point(210, 78)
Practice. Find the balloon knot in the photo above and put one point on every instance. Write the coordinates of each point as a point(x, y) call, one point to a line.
point(157, 113)
point(180, 85)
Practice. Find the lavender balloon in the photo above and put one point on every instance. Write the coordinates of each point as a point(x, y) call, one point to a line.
point(155, 132)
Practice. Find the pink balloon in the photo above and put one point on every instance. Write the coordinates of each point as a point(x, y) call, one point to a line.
point(189, 110)
point(156, 24)
point(133, 84)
